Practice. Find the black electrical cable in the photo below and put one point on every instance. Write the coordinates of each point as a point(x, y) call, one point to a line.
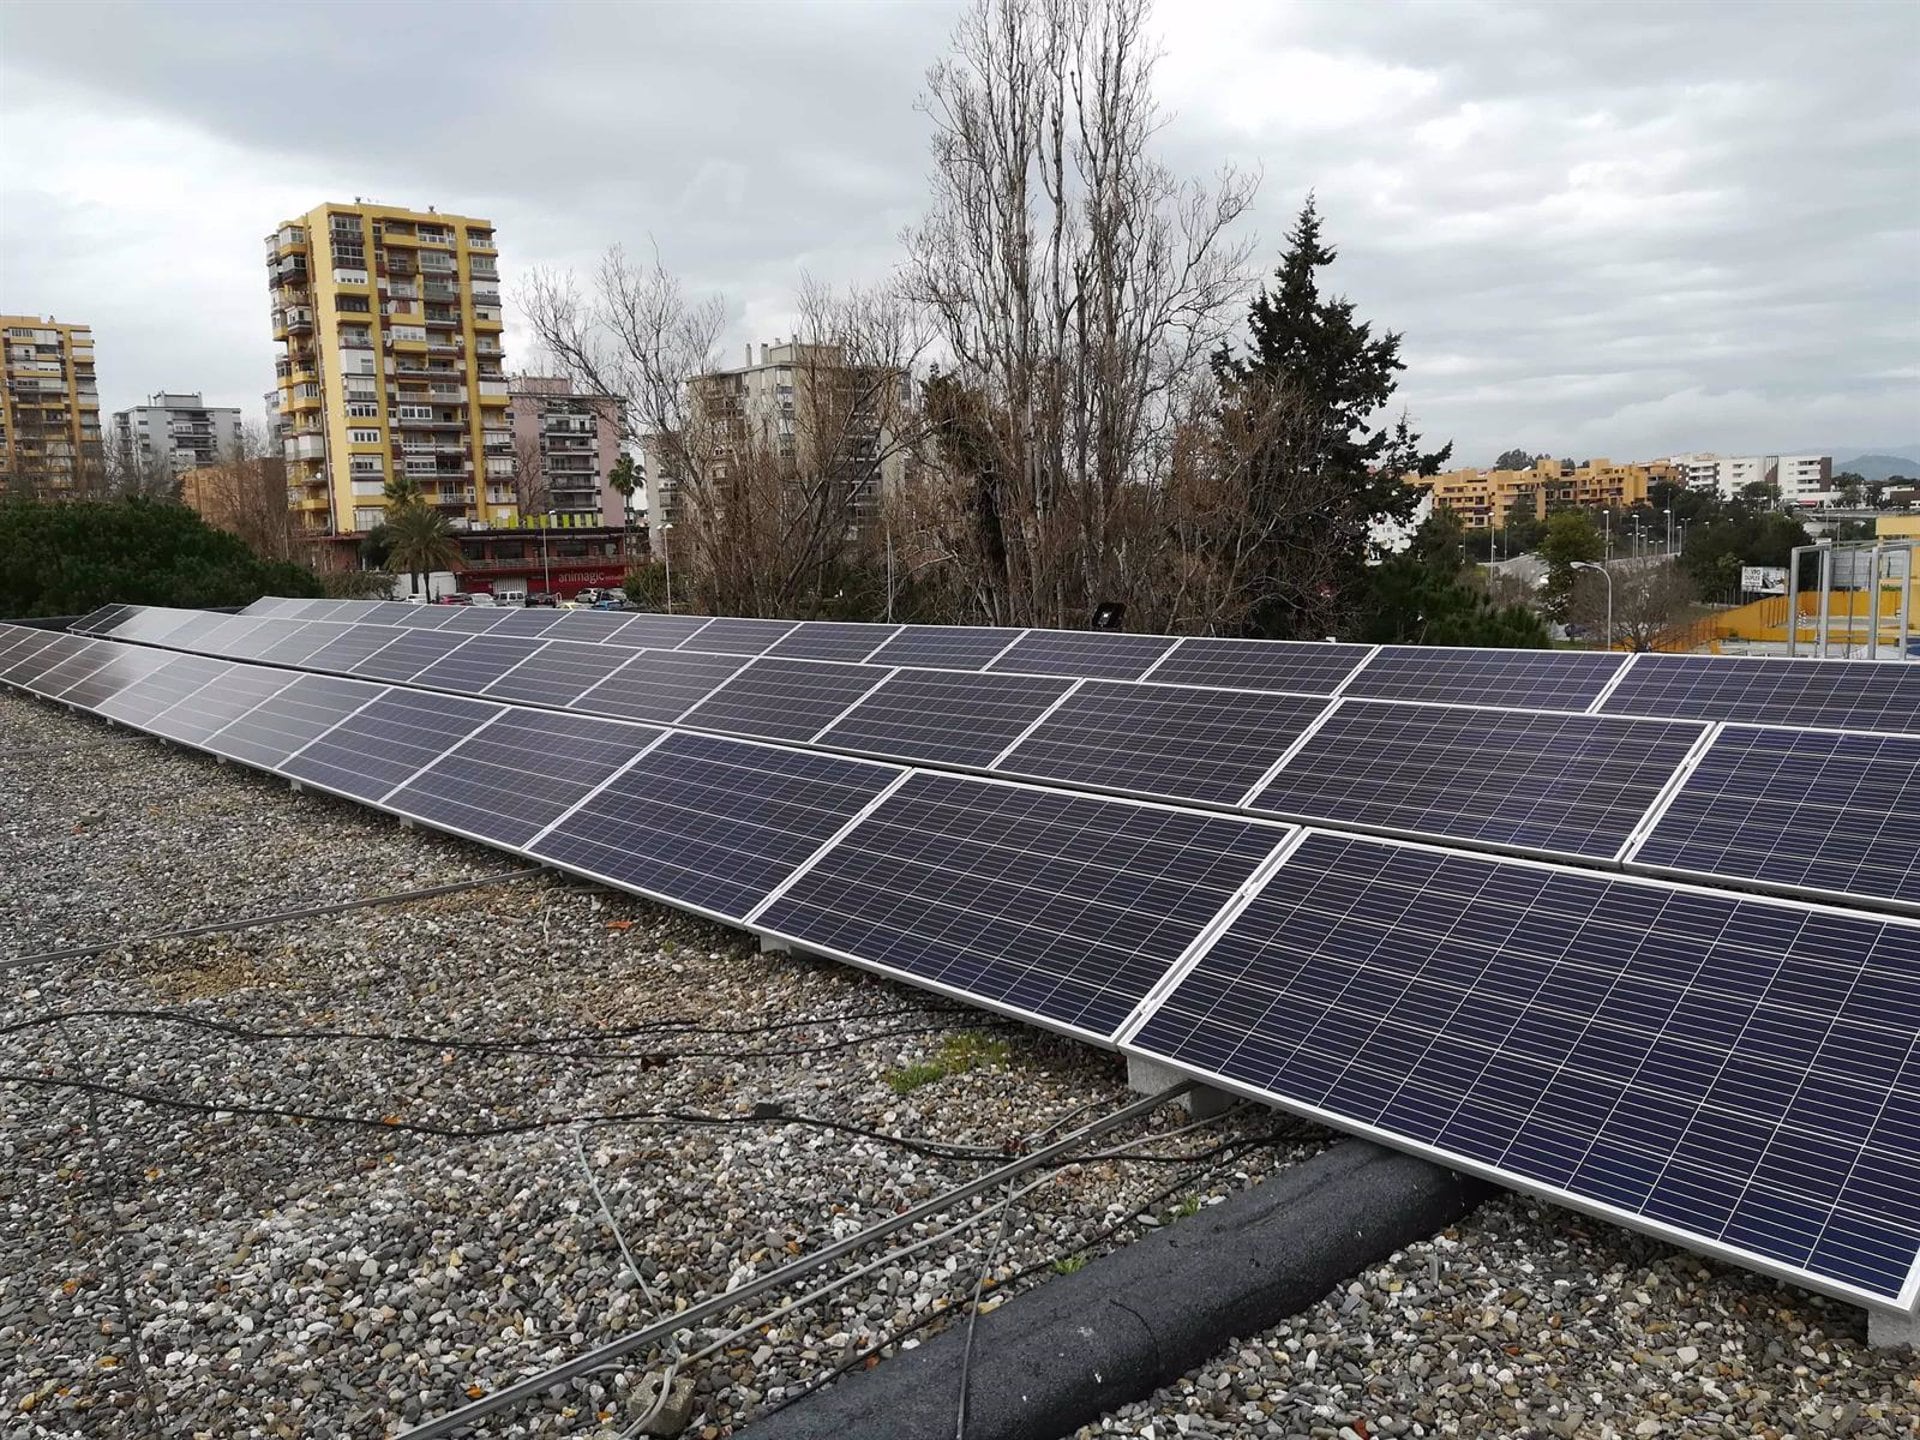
point(761, 1115)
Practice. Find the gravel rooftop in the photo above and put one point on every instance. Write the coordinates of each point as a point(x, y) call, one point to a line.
point(284, 1247)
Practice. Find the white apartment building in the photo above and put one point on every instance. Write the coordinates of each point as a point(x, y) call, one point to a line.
point(1802, 479)
point(177, 429)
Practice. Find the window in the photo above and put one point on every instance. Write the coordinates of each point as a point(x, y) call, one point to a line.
point(353, 304)
point(364, 437)
point(416, 412)
point(369, 489)
point(358, 337)
point(363, 410)
point(366, 517)
point(368, 465)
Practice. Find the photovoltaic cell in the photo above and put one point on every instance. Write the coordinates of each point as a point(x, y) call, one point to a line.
point(713, 823)
point(1095, 654)
point(1742, 1070)
point(209, 708)
point(1578, 784)
point(508, 782)
point(730, 635)
point(147, 623)
point(945, 647)
point(391, 612)
point(657, 684)
point(402, 732)
point(784, 699)
point(182, 629)
point(98, 621)
point(178, 677)
point(473, 619)
point(1169, 740)
point(557, 674)
point(943, 718)
point(1298, 666)
point(273, 729)
point(406, 655)
point(123, 666)
point(832, 640)
point(1540, 679)
point(338, 611)
point(26, 642)
point(423, 617)
point(1841, 694)
point(645, 630)
point(353, 644)
point(1836, 813)
point(1068, 907)
point(478, 663)
point(30, 662)
point(231, 636)
point(274, 605)
point(88, 656)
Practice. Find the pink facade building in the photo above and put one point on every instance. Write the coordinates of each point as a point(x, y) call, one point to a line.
point(565, 446)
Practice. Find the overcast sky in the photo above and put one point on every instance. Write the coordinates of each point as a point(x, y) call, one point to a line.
point(1604, 229)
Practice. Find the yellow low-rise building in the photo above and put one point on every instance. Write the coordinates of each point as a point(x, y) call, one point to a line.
point(1484, 499)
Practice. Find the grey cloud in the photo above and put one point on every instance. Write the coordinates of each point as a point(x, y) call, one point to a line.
point(1603, 228)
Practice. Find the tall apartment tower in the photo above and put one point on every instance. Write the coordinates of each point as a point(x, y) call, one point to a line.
point(565, 448)
point(49, 405)
point(179, 431)
point(393, 365)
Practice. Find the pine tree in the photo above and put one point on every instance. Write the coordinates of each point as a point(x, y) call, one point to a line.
point(1311, 354)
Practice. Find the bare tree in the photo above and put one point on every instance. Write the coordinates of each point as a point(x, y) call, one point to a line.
point(245, 492)
point(1653, 600)
point(532, 489)
point(1078, 286)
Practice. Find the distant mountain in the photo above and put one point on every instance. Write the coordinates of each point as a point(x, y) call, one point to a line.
point(1879, 467)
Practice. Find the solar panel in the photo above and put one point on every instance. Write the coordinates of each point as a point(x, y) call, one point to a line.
point(784, 699)
point(1096, 654)
point(557, 674)
point(88, 656)
point(407, 654)
point(147, 623)
point(338, 611)
point(646, 630)
point(1834, 813)
point(294, 715)
point(245, 638)
point(297, 644)
point(710, 823)
point(508, 782)
point(26, 645)
point(122, 666)
point(657, 684)
point(210, 707)
point(1175, 741)
point(275, 605)
point(733, 635)
point(1577, 784)
point(33, 661)
point(353, 644)
point(535, 620)
point(1069, 908)
point(389, 612)
point(944, 718)
point(98, 621)
point(478, 663)
point(593, 626)
point(832, 640)
point(1839, 694)
point(186, 629)
point(370, 752)
point(1537, 679)
point(20, 640)
point(945, 647)
point(473, 619)
point(178, 677)
point(1299, 666)
point(1740, 1070)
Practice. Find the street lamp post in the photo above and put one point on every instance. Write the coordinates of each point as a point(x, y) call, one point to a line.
point(1606, 575)
point(666, 551)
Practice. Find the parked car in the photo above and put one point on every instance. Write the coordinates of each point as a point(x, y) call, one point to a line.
point(541, 597)
point(481, 597)
point(455, 598)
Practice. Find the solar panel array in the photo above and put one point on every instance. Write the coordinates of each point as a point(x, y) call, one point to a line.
point(1734, 1071)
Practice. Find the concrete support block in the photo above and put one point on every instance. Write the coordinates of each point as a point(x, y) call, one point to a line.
point(1150, 1077)
point(1888, 1331)
point(771, 946)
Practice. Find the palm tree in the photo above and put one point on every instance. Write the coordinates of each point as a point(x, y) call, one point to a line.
point(401, 490)
point(419, 542)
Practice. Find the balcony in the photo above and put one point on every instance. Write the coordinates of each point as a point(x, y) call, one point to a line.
point(486, 317)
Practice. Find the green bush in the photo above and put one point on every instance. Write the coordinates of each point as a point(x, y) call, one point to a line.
point(65, 558)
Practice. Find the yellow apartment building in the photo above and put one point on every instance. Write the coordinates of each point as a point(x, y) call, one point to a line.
point(392, 365)
point(50, 440)
point(1484, 499)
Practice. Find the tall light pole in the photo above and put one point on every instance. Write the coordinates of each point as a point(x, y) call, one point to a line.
point(666, 550)
point(1606, 575)
point(1669, 514)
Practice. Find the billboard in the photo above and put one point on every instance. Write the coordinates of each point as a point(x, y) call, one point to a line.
point(1763, 579)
